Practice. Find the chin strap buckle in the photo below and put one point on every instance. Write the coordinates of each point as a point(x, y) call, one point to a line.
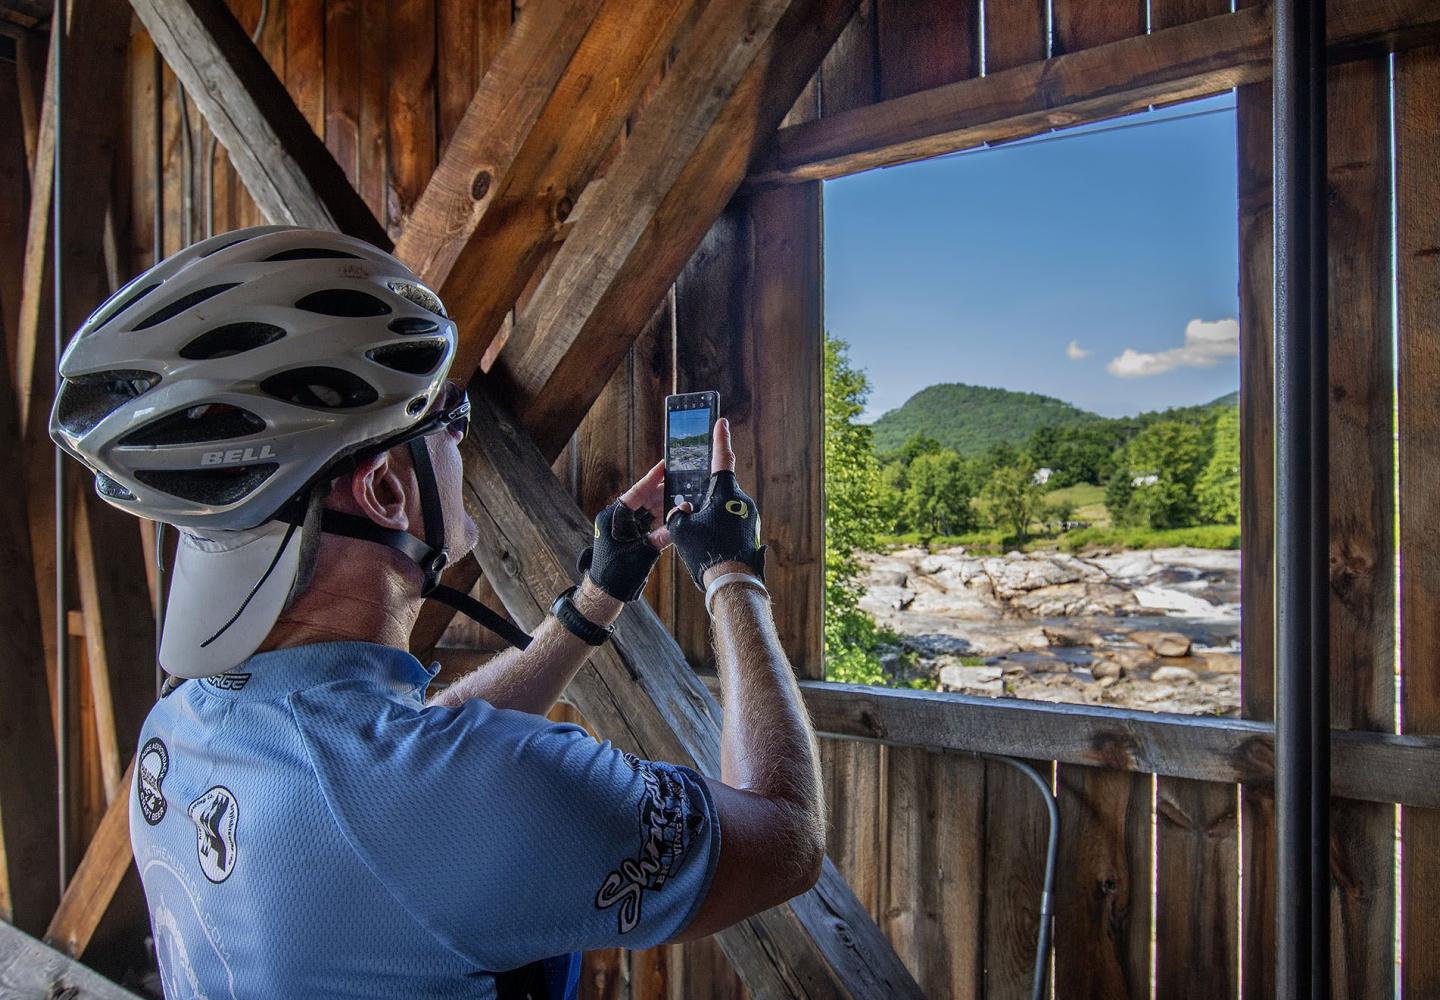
point(433, 566)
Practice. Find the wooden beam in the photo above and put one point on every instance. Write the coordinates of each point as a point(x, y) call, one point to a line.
point(28, 806)
point(100, 30)
point(97, 878)
point(14, 213)
point(685, 158)
point(1193, 60)
point(119, 628)
point(285, 167)
point(528, 145)
point(1372, 767)
point(29, 968)
point(639, 691)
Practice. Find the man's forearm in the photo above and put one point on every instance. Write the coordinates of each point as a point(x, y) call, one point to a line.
point(532, 679)
point(767, 745)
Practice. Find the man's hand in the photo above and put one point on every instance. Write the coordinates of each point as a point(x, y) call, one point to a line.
point(625, 547)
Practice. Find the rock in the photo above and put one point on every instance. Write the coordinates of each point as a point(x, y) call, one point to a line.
point(1105, 669)
point(903, 599)
point(1013, 578)
point(972, 680)
point(1072, 600)
point(1174, 675)
point(1164, 643)
point(1177, 602)
point(1071, 637)
point(1221, 663)
point(888, 578)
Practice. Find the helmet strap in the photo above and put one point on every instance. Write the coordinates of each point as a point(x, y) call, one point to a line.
point(430, 555)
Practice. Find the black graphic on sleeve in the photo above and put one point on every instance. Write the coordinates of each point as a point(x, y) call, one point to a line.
point(154, 765)
point(216, 815)
point(667, 827)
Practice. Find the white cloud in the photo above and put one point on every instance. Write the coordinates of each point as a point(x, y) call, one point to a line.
point(1075, 352)
point(1207, 343)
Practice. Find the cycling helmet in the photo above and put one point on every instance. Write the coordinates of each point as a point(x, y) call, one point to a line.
point(217, 389)
point(221, 382)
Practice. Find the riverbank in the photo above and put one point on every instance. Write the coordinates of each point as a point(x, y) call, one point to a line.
point(1157, 629)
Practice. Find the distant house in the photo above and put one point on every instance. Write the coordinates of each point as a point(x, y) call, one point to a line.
point(1042, 476)
point(1149, 479)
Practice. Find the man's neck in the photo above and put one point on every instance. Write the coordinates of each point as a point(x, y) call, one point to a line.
point(359, 591)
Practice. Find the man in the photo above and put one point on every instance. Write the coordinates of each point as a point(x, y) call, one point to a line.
point(305, 823)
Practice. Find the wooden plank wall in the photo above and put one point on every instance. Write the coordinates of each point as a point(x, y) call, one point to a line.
point(947, 850)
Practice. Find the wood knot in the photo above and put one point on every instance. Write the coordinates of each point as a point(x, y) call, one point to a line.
point(480, 186)
point(563, 208)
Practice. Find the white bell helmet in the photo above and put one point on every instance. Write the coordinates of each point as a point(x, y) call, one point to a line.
point(218, 384)
point(216, 389)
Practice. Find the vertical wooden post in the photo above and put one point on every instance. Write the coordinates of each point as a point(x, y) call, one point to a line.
point(1417, 149)
point(1257, 519)
point(1362, 516)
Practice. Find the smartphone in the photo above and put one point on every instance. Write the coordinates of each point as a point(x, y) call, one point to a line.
point(689, 429)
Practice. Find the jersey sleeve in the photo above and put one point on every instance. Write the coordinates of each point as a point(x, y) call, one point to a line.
point(508, 837)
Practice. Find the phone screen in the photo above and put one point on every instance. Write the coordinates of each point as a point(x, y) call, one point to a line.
point(689, 422)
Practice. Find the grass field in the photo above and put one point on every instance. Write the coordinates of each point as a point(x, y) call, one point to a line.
point(1087, 499)
point(1204, 536)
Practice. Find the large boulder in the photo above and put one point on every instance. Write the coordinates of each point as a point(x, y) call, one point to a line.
point(1072, 599)
point(972, 680)
point(1164, 643)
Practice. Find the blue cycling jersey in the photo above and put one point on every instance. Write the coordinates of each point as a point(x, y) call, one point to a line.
point(305, 827)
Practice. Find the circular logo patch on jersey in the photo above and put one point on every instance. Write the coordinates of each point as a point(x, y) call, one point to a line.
point(215, 815)
point(154, 765)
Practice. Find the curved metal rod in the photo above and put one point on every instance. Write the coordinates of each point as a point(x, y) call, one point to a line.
point(59, 22)
point(1052, 849)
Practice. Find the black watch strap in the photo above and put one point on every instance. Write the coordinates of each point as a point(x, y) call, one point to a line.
point(581, 627)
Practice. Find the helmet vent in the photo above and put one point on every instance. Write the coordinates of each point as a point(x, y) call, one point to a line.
point(233, 338)
point(311, 253)
point(342, 302)
point(108, 487)
point(206, 422)
point(130, 301)
point(420, 358)
point(181, 304)
point(409, 326)
point(208, 486)
point(420, 295)
point(224, 246)
point(88, 399)
point(320, 388)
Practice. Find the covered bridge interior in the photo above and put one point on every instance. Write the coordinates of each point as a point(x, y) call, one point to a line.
point(621, 199)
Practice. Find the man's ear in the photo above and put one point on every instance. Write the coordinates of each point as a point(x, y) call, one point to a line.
point(376, 489)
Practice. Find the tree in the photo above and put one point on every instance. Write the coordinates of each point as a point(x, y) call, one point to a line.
point(1166, 457)
point(1217, 491)
point(852, 493)
point(919, 444)
point(1011, 496)
point(937, 500)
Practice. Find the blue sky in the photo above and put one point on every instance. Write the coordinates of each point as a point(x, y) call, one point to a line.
point(1099, 268)
point(687, 423)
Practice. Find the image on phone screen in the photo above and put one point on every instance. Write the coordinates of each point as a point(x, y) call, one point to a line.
point(689, 422)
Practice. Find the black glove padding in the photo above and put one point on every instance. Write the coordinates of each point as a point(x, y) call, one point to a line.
point(726, 528)
point(620, 559)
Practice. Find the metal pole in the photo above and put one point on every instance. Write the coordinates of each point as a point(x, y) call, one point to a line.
point(157, 250)
point(1302, 705)
point(59, 22)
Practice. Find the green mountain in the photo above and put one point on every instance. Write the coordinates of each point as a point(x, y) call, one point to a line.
point(971, 419)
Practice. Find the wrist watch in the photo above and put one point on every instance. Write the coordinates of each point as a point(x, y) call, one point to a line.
point(581, 627)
